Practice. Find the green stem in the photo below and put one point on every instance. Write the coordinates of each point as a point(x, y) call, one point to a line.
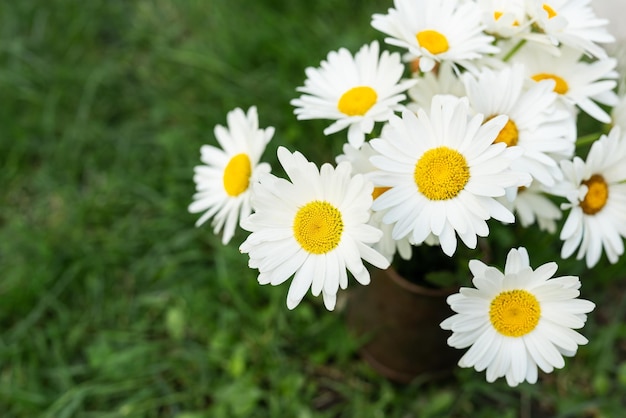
point(587, 139)
point(514, 50)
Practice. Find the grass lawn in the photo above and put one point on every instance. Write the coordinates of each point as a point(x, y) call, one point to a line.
point(112, 304)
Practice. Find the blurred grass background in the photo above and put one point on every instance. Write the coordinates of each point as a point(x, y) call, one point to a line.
point(113, 305)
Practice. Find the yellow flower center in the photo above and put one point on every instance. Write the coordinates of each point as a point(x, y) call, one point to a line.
point(560, 85)
point(441, 173)
point(357, 101)
point(497, 15)
point(237, 175)
point(318, 226)
point(433, 41)
point(514, 313)
point(378, 191)
point(596, 196)
point(550, 10)
point(508, 134)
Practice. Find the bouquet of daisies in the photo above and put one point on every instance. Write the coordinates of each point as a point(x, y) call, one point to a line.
point(474, 117)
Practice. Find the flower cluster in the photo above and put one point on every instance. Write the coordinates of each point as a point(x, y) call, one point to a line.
point(473, 119)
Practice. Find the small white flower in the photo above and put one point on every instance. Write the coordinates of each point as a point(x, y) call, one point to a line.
point(534, 124)
point(222, 183)
point(354, 91)
point(504, 18)
point(444, 172)
point(313, 228)
point(435, 31)
point(570, 23)
point(577, 82)
point(596, 190)
point(518, 321)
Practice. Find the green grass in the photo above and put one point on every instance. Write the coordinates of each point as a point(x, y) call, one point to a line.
point(113, 305)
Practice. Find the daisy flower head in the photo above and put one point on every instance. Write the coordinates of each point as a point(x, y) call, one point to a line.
point(444, 173)
point(517, 321)
point(571, 23)
point(436, 31)
point(223, 181)
point(313, 227)
point(354, 91)
point(578, 83)
point(504, 18)
point(535, 124)
point(360, 160)
point(596, 191)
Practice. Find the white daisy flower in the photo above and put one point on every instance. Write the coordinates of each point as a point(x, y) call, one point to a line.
point(577, 82)
point(532, 205)
point(596, 190)
point(360, 160)
point(435, 31)
point(517, 321)
point(444, 172)
point(354, 91)
point(313, 228)
point(444, 81)
point(504, 18)
point(572, 23)
point(534, 123)
point(222, 183)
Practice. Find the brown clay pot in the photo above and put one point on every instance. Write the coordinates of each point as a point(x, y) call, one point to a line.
point(399, 322)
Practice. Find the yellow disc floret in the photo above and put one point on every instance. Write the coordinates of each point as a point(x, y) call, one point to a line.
point(560, 86)
point(497, 15)
point(514, 313)
point(318, 227)
point(551, 12)
point(508, 134)
point(357, 101)
point(237, 175)
point(378, 191)
point(441, 173)
point(433, 41)
point(597, 195)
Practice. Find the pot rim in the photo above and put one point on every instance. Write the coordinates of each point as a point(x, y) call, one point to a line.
point(416, 288)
